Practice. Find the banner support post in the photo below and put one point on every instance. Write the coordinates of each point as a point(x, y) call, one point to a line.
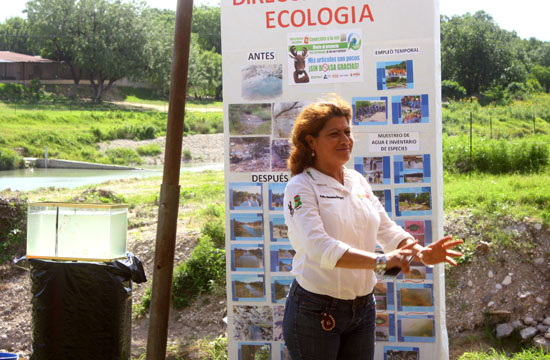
point(170, 189)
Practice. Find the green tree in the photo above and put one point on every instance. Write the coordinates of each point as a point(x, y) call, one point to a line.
point(14, 36)
point(103, 38)
point(112, 41)
point(204, 71)
point(206, 23)
point(159, 48)
point(55, 28)
point(542, 74)
point(478, 54)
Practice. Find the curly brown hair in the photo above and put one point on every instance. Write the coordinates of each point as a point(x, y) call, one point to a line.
point(310, 122)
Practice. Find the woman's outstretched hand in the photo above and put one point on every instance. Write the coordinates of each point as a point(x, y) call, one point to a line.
point(440, 251)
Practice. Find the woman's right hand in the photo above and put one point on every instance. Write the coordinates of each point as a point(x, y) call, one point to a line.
point(399, 257)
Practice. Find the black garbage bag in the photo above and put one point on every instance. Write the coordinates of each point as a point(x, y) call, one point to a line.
point(82, 310)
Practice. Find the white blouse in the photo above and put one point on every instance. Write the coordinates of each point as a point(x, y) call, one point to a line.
point(325, 219)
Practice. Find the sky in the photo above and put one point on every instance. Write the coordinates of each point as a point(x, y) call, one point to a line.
point(528, 18)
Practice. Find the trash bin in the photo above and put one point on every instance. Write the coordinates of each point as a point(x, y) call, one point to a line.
point(82, 310)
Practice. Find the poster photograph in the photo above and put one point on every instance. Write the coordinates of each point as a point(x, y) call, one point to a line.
point(247, 257)
point(250, 119)
point(415, 328)
point(385, 327)
point(383, 294)
point(376, 169)
point(384, 196)
point(262, 82)
point(413, 201)
point(246, 226)
point(276, 196)
point(245, 196)
point(395, 75)
point(277, 228)
point(254, 351)
point(253, 323)
point(280, 151)
point(280, 286)
point(370, 110)
point(322, 57)
point(412, 169)
point(284, 115)
point(415, 297)
point(247, 154)
point(410, 109)
point(401, 353)
point(281, 257)
point(278, 315)
point(248, 287)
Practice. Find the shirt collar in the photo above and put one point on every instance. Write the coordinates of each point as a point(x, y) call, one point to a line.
point(320, 178)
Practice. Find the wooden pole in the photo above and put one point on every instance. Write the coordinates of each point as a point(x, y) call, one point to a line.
point(170, 189)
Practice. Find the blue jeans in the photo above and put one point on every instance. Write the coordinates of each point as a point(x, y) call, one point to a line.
point(349, 333)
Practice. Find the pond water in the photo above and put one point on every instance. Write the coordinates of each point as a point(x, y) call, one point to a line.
point(27, 179)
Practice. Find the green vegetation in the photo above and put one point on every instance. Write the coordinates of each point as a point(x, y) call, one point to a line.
point(149, 150)
point(73, 134)
point(500, 195)
point(526, 354)
point(203, 271)
point(213, 349)
point(13, 228)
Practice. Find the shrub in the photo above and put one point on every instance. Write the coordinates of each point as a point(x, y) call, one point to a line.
point(13, 228)
point(123, 156)
point(195, 276)
point(215, 229)
point(143, 307)
point(9, 160)
point(452, 90)
point(149, 150)
point(11, 92)
point(187, 155)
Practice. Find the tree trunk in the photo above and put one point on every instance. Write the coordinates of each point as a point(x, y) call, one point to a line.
point(76, 78)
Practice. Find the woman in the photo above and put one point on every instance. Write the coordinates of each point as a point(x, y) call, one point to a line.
point(334, 223)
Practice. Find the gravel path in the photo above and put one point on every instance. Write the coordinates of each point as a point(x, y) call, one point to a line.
point(206, 148)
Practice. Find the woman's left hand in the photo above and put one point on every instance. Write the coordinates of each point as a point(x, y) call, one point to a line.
point(440, 251)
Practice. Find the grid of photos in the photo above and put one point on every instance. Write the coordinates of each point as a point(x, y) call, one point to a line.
point(261, 256)
point(391, 75)
point(260, 263)
point(410, 109)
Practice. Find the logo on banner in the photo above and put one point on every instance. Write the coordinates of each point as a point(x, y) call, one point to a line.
point(354, 41)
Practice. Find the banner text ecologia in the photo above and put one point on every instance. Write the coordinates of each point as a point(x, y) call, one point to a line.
point(308, 17)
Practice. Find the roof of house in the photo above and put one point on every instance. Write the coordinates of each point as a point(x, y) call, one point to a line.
point(11, 57)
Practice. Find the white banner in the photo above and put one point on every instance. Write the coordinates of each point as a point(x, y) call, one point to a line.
point(382, 56)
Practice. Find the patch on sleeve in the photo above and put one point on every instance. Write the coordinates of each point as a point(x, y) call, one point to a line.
point(297, 202)
point(290, 208)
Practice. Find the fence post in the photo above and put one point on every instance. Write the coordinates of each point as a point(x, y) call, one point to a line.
point(534, 127)
point(471, 161)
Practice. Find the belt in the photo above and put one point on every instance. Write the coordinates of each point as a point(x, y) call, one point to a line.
point(334, 302)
